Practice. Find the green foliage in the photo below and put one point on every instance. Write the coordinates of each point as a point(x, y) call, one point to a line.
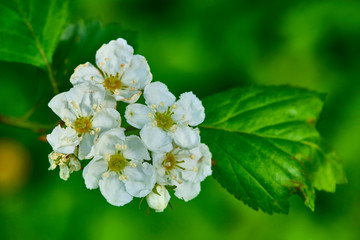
point(31, 29)
point(80, 42)
point(266, 148)
point(264, 141)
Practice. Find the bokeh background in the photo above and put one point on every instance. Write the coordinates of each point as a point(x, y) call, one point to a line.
point(204, 46)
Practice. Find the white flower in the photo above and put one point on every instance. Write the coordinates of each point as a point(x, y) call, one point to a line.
point(66, 162)
point(63, 140)
point(159, 198)
point(118, 168)
point(164, 120)
point(84, 109)
point(124, 75)
point(183, 168)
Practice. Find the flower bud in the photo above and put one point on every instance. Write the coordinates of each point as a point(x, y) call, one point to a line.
point(158, 199)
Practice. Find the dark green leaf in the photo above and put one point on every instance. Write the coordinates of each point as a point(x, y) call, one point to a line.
point(266, 148)
point(30, 30)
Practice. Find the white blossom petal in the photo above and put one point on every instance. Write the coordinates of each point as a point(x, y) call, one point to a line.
point(137, 74)
point(114, 190)
point(186, 137)
point(106, 144)
point(64, 172)
point(85, 146)
point(158, 201)
point(187, 190)
point(60, 107)
point(52, 162)
point(161, 176)
point(156, 139)
point(141, 179)
point(128, 95)
point(114, 57)
point(109, 101)
point(204, 162)
point(86, 73)
point(106, 119)
point(84, 96)
point(158, 94)
point(93, 172)
point(137, 115)
point(190, 109)
point(63, 140)
point(198, 167)
point(74, 164)
point(136, 149)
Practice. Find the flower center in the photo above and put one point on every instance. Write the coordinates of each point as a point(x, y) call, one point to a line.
point(164, 120)
point(117, 162)
point(112, 82)
point(170, 162)
point(82, 125)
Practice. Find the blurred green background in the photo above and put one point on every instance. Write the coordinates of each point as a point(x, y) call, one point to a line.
point(204, 47)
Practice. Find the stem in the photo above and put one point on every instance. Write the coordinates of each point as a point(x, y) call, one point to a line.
point(22, 123)
point(32, 110)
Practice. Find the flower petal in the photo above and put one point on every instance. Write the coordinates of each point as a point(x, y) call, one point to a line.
point(141, 179)
point(190, 109)
point(63, 140)
point(74, 164)
point(198, 167)
point(156, 139)
point(186, 137)
point(93, 172)
point(161, 176)
point(204, 162)
point(114, 57)
point(137, 74)
point(85, 146)
point(136, 149)
point(187, 190)
point(127, 95)
point(60, 106)
point(84, 96)
point(86, 73)
point(108, 140)
point(114, 190)
point(106, 119)
point(109, 101)
point(158, 94)
point(64, 172)
point(137, 115)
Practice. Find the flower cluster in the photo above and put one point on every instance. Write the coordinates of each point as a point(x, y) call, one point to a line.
point(167, 154)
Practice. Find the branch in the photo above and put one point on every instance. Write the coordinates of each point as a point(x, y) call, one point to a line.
point(23, 123)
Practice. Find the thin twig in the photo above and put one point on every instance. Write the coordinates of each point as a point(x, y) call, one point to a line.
point(32, 110)
point(22, 123)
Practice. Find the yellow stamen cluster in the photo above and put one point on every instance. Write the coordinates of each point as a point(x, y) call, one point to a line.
point(164, 120)
point(117, 162)
point(170, 162)
point(112, 83)
point(82, 125)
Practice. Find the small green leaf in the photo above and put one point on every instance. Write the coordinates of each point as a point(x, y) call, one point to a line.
point(30, 30)
point(79, 44)
point(266, 148)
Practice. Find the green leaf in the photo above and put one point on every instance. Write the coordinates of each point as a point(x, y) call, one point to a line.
point(30, 30)
point(79, 44)
point(266, 148)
